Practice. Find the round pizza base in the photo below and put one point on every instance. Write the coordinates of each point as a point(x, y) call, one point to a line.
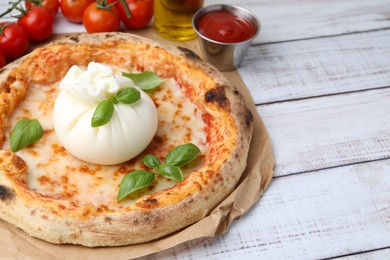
point(254, 181)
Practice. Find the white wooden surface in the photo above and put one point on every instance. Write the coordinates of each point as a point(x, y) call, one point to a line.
point(320, 74)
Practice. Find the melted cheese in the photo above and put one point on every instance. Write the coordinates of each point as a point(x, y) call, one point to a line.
point(55, 173)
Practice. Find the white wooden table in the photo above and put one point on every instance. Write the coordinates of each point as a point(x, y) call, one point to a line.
point(319, 73)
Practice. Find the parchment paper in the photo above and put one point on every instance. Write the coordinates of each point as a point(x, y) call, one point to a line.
point(16, 244)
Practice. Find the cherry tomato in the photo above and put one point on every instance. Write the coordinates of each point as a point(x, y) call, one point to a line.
point(97, 19)
point(38, 23)
point(141, 13)
point(2, 59)
point(51, 5)
point(73, 9)
point(13, 40)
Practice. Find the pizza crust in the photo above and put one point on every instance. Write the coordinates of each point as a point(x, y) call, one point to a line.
point(150, 217)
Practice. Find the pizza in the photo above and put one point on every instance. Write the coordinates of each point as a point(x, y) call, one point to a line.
point(53, 195)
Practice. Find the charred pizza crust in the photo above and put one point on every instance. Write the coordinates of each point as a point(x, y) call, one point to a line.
point(59, 220)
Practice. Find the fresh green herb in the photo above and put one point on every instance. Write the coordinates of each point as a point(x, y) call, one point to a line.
point(134, 181)
point(105, 109)
point(151, 161)
point(145, 80)
point(103, 113)
point(182, 155)
point(25, 133)
point(128, 96)
point(176, 158)
point(170, 171)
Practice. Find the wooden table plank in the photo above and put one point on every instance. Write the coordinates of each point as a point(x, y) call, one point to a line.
point(329, 131)
point(285, 20)
point(307, 216)
point(292, 70)
point(377, 254)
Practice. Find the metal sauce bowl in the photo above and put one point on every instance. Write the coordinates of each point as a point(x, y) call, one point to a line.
point(224, 56)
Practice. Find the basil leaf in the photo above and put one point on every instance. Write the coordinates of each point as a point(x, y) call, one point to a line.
point(151, 161)
point(24, 133)
point(145, 80)
point(103, 113)
point(128, 95)
point(133, 181)
point(170, 172)
point(182, 155)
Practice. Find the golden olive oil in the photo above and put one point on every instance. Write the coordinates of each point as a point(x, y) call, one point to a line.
point(173, 18)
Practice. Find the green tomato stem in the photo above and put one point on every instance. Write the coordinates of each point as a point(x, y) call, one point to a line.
point(3, 27)
point(14, 5)
point(102, 4)
point(36, 2)
point(128, 13)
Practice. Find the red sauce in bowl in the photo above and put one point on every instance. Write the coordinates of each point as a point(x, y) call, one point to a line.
point(225, 26)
